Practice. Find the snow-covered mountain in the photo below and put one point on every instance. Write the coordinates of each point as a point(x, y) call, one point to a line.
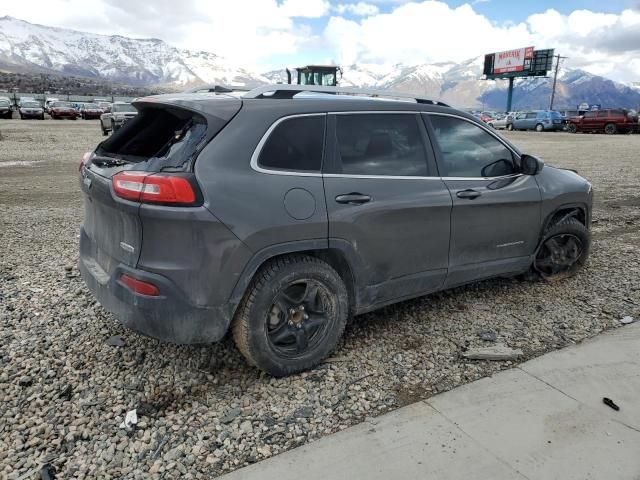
point(25, 47)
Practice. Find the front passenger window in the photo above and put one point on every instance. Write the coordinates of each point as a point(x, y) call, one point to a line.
point(470, 151)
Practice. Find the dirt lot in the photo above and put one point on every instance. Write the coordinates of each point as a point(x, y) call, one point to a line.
point(202, 410)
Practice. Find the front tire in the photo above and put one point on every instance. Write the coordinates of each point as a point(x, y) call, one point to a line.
point(563, 251)
point(510, 127)
point(292, 315)
point(610, 128)
point(572, 128)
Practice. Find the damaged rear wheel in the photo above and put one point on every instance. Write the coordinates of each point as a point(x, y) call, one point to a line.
point(292, 316)
point(563, 251)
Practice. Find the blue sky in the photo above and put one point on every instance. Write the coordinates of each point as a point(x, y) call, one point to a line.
point(602, 37)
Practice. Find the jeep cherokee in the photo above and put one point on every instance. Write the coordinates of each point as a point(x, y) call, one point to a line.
point(281, 212)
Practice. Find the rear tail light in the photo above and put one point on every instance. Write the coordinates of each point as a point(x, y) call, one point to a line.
point(149, 188)
point(139, 286)
point(84, 160)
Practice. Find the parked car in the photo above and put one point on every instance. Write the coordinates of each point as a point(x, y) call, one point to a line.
point(48, 102)
point(278, 217)
point(90, 110)
point(60, 110)
point(540, 121)
point(6, 109)
point(120, 113)
point(105, 106)
point(610, 121)
point(500, 122)
point(31, 110)
point(21, 100)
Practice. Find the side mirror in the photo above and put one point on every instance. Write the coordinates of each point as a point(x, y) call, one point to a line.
point(530, 165)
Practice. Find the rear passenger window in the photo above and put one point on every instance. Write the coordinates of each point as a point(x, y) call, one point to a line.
point(379, 144)
point(468, 150)
point(295, 144)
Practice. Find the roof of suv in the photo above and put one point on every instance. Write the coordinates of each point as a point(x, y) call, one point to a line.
point(292, 99)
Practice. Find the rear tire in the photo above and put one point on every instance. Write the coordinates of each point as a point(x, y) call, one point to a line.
point(563, 251)
point(610, 128)
point(271, 329)
point(539, 128)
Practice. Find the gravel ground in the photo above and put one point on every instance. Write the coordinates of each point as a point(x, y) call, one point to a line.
point(202, 410)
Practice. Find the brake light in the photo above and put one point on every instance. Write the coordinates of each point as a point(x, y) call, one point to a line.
point(83, 162)
point(139, 286)
point(149, 188)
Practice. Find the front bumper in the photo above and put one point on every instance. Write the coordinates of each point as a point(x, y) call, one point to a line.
point(32, 114)
point(169, 317)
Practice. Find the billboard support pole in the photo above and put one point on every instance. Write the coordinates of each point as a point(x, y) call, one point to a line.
point(555, 80)
point(510, 94)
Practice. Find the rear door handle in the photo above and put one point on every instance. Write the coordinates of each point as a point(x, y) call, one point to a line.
point(468, 194)
point(353, 198)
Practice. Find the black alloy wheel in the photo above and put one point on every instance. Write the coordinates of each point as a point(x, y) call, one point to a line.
point(559, 255)
point(299, 317)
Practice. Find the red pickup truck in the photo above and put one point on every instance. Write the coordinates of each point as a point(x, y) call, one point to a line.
point(609, 121)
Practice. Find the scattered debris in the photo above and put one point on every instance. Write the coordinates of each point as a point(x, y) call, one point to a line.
point(303, 412)
point(130, 420)
point(488, 336)
point(48, 472)
point(66, 392)
point(496, 352)
point(608, 402)
point(626, 319)
point(231, 415)
point(116, 341)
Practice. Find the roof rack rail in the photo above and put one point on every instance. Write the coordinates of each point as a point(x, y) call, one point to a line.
point(284, 91)
point(213, 88)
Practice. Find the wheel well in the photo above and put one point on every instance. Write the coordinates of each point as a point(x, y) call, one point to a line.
point(566, 212)
point(336, 259)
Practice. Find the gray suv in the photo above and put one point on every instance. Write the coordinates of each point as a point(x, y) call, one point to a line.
point(281, 212)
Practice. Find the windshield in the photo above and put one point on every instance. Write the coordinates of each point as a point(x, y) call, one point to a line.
point(124, 107)
point(555, 114)
point(4, 102)
point(89, 106)
point(31, 104)
point(61, 104)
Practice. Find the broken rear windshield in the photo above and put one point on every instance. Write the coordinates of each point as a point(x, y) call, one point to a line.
point(164, 138)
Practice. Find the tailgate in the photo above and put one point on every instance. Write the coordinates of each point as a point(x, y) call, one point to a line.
point(111, 225)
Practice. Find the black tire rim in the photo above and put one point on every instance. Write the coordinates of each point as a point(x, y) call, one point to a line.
point(300, 317)
point(558, 255)
point(610, 129)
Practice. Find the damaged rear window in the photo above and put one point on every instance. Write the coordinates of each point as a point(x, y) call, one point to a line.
point(164, 138)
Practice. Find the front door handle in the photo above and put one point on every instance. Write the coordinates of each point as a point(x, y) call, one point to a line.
point(468, 194)
point(353, 198)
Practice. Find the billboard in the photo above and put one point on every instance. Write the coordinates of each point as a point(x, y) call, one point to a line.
point(516, 60)
point(521, 62)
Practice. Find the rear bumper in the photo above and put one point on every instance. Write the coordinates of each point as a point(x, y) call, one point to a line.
point(169, 317)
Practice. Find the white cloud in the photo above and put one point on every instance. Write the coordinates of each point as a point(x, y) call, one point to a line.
point(261, 34)
point(360, 9)
point(305, 8)
point(431, 31)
